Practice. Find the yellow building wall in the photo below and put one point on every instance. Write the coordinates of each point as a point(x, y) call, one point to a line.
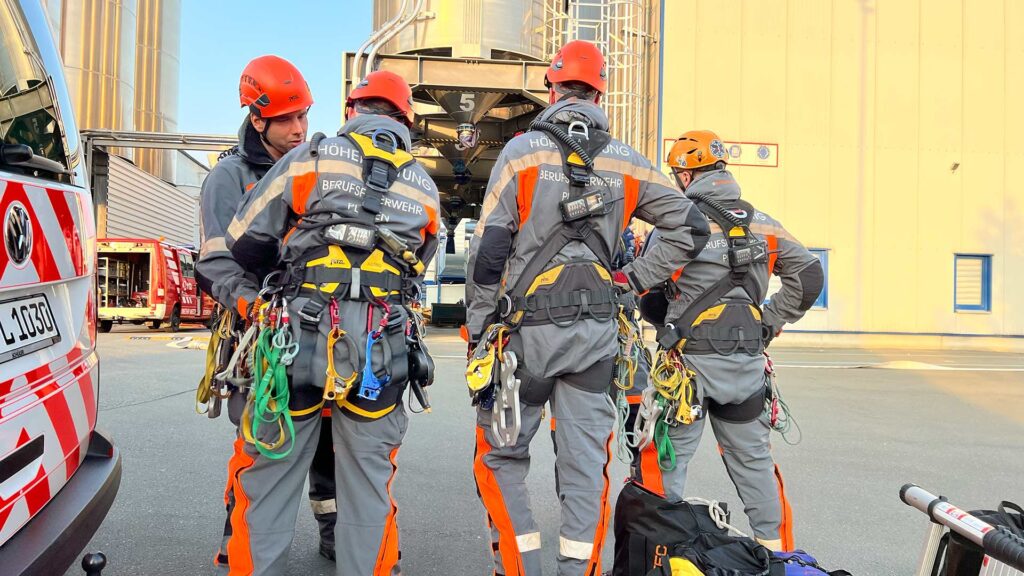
point(872, 103)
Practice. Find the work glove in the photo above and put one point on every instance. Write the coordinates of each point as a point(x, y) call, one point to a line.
point(621, 281)
point(768, 333)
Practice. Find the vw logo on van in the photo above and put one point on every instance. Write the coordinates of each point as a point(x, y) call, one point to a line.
point(18, 234)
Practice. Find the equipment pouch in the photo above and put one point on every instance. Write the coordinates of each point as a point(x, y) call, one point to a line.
point(653, 307)
point(421, 365)
point(534, 390)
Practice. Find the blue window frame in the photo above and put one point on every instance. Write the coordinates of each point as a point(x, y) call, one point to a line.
point(822, 254)
point(972, 282)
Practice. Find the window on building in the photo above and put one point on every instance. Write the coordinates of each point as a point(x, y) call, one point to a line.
point(774, 284)
point(822, 254)
point(972, 282)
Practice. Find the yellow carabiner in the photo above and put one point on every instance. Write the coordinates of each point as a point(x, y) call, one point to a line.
point(331, 391)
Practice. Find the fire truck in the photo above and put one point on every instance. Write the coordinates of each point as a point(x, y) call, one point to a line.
point(58, 475)
point(148, 281)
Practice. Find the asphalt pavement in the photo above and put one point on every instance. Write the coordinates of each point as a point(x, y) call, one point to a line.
point(870, 421)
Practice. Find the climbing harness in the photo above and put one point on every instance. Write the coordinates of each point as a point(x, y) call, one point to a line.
point(780, 418)
point(568, 292)
point(360, 260)
point(712, 323)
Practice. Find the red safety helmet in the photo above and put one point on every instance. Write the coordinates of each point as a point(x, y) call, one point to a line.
point(578, 61)
point(384, 85)
point(272, 86)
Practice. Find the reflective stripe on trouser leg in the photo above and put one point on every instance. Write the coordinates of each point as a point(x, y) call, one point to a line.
point(221, 558)
point(366, 532)
point(584, 436)
point(685, 440)
point(267, 495)
point(786, 526)
point(500, 475)
point(748, 459)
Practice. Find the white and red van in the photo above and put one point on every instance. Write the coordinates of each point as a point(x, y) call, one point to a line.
point(58, 476)
point(146, 280)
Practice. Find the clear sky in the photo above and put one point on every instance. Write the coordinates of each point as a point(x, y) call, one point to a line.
point(219, 37)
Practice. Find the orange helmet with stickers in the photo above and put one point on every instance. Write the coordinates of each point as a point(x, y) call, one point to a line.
point(272, 86)
point(697, 149)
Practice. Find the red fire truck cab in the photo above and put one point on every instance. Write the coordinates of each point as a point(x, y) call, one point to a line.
point(145, 280)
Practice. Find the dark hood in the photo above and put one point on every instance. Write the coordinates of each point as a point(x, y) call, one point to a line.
point(250, 146)
point(571, 110)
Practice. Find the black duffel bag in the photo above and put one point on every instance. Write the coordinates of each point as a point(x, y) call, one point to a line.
point(650, 530)
point(958, 556)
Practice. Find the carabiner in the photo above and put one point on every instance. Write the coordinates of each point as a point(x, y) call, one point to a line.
point(506, 416)
point(371, 385)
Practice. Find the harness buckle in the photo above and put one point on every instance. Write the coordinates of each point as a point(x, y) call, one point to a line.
point(578, 176)
point(377, 178)
point(311, 313)
point(505, 306)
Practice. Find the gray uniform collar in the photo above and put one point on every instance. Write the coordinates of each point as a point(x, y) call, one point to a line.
point(717, 185)
point(570, 110)
point(367, 124)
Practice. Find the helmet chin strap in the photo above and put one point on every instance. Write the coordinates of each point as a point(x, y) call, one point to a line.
point(679, 180)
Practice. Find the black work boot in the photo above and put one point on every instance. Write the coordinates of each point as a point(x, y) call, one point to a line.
point(325, 522)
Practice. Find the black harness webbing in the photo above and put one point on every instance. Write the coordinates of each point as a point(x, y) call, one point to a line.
point(670, 335)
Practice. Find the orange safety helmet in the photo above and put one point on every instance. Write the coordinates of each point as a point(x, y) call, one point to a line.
point(272, 86)
point(384, 85)
point(578, 61)
point(696, 149)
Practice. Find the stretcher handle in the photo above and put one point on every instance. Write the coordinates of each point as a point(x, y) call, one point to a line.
point(997, 542)
point(1006, 547)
